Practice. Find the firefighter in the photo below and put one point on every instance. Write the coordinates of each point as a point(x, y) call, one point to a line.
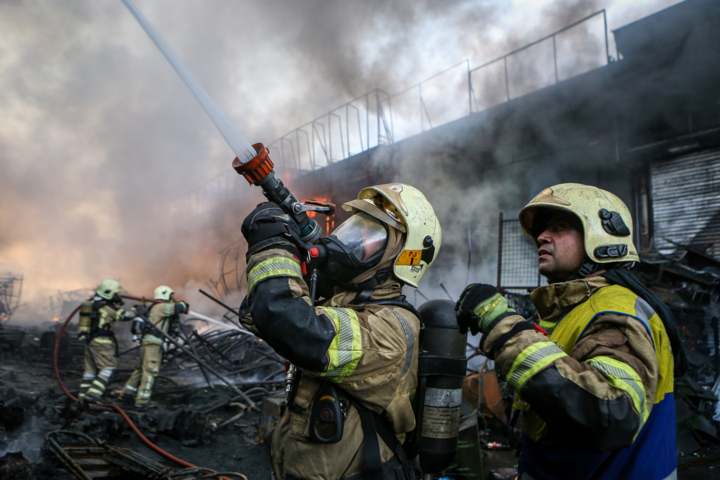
point(97, 322)
point(164, 315)
point(355, 353)
point(594, 381)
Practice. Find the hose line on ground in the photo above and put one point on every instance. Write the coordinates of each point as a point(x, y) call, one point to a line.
point(119, 410)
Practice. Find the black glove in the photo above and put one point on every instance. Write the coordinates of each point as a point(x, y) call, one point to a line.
point(186, 305)
point(268, 221)
point(478, 306)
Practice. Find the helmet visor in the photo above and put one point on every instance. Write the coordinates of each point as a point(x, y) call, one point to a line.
point(363, 235)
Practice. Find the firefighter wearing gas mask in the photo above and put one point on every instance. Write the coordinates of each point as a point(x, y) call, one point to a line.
point(354, 352)
point(594, 380)
point(163, 315)
point(96, 329)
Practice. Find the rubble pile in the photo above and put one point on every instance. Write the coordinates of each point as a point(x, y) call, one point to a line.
point(236, 354)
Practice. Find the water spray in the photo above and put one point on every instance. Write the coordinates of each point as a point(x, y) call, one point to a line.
point(252, 162)
point(194, 314)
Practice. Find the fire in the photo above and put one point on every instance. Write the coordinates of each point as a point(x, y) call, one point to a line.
point(56, 319)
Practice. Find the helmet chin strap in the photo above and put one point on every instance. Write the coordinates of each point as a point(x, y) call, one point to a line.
point(588, 267)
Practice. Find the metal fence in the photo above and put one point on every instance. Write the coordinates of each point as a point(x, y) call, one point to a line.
point(379, 118)
point(517, 269)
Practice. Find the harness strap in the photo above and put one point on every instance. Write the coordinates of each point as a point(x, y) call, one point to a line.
point(373, 460)
point(374, 425)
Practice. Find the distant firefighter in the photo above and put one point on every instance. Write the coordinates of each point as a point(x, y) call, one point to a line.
point(97, 321)
point(164, 316)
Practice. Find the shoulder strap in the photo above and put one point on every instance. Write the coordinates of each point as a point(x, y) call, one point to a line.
point(372, 426)
point(399, 301)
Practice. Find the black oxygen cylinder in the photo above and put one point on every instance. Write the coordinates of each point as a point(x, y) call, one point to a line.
point(442, 368)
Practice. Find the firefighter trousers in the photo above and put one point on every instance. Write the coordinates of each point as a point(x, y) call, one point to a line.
point(148, 366)
point(100, 363)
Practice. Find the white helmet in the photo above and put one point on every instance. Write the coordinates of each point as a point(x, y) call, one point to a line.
point(109, 288)
point(406, 209)
point(163, 293)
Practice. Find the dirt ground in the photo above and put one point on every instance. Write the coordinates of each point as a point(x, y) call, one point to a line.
point(31, 378)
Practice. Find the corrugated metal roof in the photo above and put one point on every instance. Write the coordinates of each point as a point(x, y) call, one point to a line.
point(686, 201)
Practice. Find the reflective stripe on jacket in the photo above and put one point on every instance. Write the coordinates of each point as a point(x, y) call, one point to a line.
point(368, 351)
point(162, 315)
point(597, 392)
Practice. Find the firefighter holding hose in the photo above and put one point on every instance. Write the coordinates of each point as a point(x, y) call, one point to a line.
point(96, 329)
point(595, 381)
point(355, 353)
point(164, 315)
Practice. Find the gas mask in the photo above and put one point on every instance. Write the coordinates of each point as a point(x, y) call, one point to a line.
point(350, 250)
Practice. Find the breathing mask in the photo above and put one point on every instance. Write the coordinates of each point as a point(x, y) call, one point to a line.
point(349, 251)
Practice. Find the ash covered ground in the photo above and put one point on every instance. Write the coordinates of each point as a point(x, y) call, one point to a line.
point(179, 421)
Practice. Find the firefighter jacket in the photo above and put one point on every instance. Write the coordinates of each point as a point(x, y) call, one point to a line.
point(101, 325)
point(368, 351)
point(597, 392)
point(163, 316)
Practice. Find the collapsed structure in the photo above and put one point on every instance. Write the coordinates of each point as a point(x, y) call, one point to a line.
point(644, 125)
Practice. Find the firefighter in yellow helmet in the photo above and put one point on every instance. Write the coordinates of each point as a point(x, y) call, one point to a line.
point(96, 329)
point(354, 351)
point(594, 380)
point(164, 315)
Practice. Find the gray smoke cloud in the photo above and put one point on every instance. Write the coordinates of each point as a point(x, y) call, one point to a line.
point(100, 142)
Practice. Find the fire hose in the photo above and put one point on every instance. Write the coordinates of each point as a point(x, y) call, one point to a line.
point(119, 410)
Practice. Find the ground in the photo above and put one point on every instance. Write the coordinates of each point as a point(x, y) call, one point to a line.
point(30, 379)
point(232, 448)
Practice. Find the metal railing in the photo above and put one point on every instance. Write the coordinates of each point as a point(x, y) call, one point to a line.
point(379, 118)
point(553, 36)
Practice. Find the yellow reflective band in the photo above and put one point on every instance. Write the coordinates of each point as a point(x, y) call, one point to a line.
point(530, 361)
point(346, 348)
point(153, 339)
point(103, 340)
point(103, 316)
point(273, 267)
point(548, 326)
point(623, 377)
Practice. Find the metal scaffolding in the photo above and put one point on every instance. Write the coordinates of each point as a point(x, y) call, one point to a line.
point(10, 290)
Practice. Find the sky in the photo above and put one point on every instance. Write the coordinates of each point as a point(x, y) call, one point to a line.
point(100, 141)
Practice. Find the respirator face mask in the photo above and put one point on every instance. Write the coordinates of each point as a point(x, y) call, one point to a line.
point(353, 248)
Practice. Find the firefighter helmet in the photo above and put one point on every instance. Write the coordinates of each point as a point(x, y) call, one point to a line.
point(606, 220)
point(405, 208)
point(109, 288)
point(163, 293)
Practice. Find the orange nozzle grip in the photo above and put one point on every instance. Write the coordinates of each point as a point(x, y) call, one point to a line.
point(257, 168)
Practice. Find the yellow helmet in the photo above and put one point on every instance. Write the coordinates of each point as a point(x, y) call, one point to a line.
point(406, 209)
point(163, 293)
point(108, 288)
point(606, 220)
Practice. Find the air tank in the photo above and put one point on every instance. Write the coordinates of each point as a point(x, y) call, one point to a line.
point(442, 368)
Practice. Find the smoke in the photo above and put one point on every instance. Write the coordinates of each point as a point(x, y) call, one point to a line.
point(100, 141)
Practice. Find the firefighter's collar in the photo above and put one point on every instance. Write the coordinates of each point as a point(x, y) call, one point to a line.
point(555, 300)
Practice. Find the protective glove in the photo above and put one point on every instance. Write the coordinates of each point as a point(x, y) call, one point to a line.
point(478, 306)
point(186, 305)
point(268, 221)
